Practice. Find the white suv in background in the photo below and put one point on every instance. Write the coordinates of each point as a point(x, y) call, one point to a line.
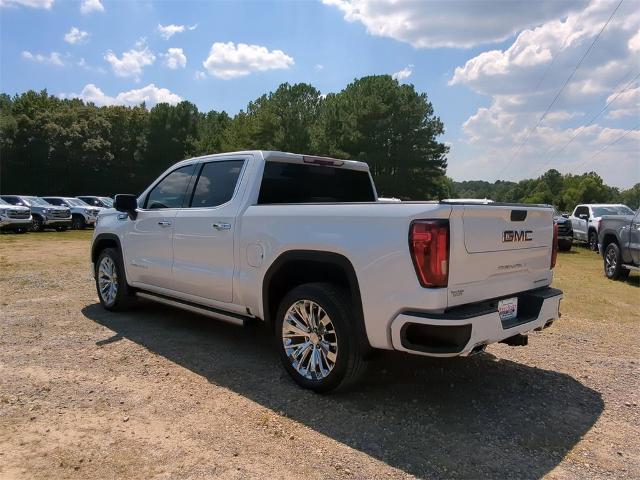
point(83, 215)
point(15, 218)
point(586, 218)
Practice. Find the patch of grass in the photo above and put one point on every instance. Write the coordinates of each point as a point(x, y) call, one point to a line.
point(589, 294)
point(48, 235)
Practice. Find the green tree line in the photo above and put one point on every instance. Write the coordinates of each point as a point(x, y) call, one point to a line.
point(55, 146)
point(563, 191)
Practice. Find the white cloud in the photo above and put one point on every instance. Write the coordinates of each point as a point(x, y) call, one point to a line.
point(150, 94)
point(168, 31)
point(88, 6)
point(445, 23)
point(319, 67)
point(199, 75)
point(634, 42)
point(83, 64)
point(523, 80)
point(76, 36)
point(226, 60)
point(54, 58)
point(403, 74)
point(44, 4)
point(175, 58)
point(132, 62)
point(627, 104)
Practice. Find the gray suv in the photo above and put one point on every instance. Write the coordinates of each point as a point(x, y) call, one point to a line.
point(44, 214)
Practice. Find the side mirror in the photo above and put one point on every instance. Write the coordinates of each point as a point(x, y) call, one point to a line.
point(126, 203)
point(584, 216)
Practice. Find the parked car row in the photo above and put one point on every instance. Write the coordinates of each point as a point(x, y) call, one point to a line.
point(21, 213)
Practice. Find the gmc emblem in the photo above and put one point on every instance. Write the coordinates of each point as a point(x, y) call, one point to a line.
point(509, 236)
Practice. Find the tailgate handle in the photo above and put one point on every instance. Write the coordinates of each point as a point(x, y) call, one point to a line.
point(518, 215)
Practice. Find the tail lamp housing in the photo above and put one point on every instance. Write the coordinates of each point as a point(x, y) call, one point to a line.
point(554, 247)
point(429, 246)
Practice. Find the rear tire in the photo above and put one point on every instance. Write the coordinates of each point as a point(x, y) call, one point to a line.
point(317, 339)
point(111, 281)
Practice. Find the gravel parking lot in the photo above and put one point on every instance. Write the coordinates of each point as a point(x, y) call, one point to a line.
point(160, 393)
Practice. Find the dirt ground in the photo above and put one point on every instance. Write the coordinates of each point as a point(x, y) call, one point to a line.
point(158, 393)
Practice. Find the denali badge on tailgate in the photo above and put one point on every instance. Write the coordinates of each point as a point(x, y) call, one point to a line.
point(517, 236)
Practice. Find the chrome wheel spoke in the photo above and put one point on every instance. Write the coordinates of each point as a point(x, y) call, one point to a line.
point(310, 340)
point(107, 280)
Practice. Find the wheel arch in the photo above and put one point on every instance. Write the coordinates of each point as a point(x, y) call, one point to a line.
point(296, 267)
point(102, 241)
point(608, 238)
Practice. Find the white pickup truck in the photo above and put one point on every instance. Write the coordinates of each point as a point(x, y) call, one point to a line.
point(303, 244)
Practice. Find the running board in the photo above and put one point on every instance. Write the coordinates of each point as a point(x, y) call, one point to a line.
point(211, 312)
point(631, 267)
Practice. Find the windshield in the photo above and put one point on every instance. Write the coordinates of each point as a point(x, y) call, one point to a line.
point(612, 210)
point(2, 202)
point(107, 201)
point(76, 202)
point(36, 201)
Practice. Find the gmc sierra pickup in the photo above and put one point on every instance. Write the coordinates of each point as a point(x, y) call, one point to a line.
point(303, 244)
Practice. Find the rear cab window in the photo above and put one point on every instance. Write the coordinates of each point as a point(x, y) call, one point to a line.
point(300, 183)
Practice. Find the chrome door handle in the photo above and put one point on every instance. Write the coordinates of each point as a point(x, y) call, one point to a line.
point(164, 223)
point(222, 226)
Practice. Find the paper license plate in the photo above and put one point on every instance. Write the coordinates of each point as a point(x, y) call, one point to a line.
point(508, 308)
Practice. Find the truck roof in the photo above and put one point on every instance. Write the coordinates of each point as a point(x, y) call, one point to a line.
point(287, 157)
point(601, 205)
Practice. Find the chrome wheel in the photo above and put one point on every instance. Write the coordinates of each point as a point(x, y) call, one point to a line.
point(107, 280)
point(310, 340)
point(611, 262)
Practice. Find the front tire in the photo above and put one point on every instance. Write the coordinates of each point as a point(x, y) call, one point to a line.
point(38, 224)
point(565, 245)
point(111, 281)
point(78, 223)
point(317, 338)
point(613, 263)
point(593, 241)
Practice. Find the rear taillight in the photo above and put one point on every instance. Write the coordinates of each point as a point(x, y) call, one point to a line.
point(554, 247)
point(429, 245)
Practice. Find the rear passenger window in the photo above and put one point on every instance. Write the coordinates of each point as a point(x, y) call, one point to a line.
point(216, 183)
point(171, 190)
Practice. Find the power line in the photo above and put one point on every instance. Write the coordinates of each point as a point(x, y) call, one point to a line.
point(627, 132)
point(566, 82)
point(583, 127)
point(562, 47)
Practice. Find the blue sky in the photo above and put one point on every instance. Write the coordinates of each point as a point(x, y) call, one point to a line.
point(478, 62)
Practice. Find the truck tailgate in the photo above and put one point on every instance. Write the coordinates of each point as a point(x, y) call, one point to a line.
point(497, 250)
